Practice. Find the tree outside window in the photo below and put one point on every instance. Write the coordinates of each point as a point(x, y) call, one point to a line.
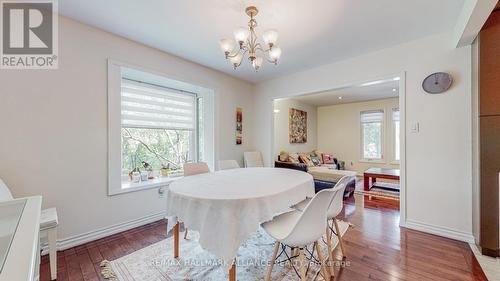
point(371, 134)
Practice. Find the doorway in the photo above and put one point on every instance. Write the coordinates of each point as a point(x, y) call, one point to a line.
point(361, 125)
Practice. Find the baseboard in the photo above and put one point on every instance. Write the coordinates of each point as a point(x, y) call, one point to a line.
point(440, 231)
point(83, 238)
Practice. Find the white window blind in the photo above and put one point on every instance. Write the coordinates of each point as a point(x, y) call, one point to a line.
point(148, 106)
point(395, 114)
point(372, 116)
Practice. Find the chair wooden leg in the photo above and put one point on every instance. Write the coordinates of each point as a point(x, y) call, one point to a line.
point(273, 258)
point(176, 240)
point(339, 236)
point(302, 265)
point(185, 234)
point(326, 276)
point(52, 237)
point(330, 250)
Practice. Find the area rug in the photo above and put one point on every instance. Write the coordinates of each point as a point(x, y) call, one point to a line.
point(380, 192)
point(156, 262)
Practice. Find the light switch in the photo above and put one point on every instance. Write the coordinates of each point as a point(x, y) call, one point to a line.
point(415, 127)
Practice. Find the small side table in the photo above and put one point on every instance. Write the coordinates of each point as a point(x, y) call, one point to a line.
point(378, 173)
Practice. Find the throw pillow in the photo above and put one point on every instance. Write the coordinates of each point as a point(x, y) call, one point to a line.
point(284, 156)
point(328, 159)
point(316, 160)
point(306, 159)
point(293, 157)
point(319, 154)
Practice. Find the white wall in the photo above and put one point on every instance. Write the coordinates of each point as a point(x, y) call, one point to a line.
point(439, 156)
point(281, 140)
point(54, 126)
point(339, 133)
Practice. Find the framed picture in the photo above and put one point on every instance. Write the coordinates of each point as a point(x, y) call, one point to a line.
point(297, 126)
point(239, 125)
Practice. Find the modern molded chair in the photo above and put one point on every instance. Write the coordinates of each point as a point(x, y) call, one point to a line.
point(297, 229)
point(253, 159)
point(333, 211)
point(48, 229)
point(5, 194)
point(191, 169)
point(228, 164)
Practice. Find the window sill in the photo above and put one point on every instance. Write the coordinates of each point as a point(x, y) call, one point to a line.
point(395, 162)
point(128, 186)
point(376, 161)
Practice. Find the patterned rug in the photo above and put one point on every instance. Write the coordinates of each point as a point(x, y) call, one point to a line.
point(380, 192)
point(156, 262)
point(386, 189)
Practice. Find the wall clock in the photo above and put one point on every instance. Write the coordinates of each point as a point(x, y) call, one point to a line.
point(437, 83)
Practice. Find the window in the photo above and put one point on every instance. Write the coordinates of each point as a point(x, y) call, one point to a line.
point(371, 134)
point(158, 126)
point(157, 120)
point(395, 124)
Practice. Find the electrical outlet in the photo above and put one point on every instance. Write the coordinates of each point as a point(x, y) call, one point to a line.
point(161, 192)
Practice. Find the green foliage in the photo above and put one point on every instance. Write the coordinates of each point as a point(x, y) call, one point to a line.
point(372, 140)
point(155, 146)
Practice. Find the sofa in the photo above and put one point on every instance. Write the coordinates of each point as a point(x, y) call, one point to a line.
point(325, 175)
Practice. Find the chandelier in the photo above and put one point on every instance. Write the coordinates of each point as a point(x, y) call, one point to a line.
point(246, 43)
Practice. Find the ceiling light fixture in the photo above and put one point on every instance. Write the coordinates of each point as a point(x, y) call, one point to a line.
point(340, 98)
point(246, 38)
point(394, 89)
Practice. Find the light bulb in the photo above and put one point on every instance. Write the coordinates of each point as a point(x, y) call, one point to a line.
point(270, 37)
point(236, 60)
point(257, 63)
point(227, 45)
point(241, 34)
point(275, 53)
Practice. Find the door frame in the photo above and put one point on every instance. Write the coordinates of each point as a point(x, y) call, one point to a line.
point(402, 128)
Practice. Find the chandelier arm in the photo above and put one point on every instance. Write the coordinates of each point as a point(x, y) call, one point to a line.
point(233, 55)
point(258, 47)
point(242, 56)
point(272, 61)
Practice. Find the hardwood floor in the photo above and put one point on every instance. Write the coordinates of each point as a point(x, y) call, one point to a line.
point(377, 249)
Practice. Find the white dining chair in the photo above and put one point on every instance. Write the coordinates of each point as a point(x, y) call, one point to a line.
point(5, 194)
point(191, 169)
point(333, 211)
point(253, 159)
point(228, 164)
point(298, 229)
point(48, 229)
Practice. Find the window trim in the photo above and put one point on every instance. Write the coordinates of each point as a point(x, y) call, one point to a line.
point(382, 138)
point(114, 77)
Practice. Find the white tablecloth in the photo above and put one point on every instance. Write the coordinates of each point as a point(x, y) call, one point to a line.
point(227, 207)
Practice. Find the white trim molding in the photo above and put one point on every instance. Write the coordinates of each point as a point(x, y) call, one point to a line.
point(440, 231)
point(90, 236)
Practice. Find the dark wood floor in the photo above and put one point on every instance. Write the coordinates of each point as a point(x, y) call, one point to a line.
point(377, 249)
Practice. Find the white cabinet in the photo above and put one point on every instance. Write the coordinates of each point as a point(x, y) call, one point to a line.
point(19, 239)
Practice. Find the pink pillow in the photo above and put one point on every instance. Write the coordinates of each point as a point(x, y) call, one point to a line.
point(328, 158)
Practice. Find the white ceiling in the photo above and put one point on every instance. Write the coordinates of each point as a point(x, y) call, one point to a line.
point(312, 32)
point(381, 90)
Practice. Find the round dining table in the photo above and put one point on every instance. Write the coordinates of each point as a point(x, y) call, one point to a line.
point(227, 207)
